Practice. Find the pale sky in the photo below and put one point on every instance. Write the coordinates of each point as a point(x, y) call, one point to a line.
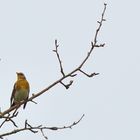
point(110, 101)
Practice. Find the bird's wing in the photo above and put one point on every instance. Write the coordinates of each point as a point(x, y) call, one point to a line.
point(13, 94)
point(28, 95)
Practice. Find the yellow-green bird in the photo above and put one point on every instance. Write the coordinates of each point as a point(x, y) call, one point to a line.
point(21, 90)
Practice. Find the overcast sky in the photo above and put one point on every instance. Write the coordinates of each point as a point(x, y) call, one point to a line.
point(110, 101)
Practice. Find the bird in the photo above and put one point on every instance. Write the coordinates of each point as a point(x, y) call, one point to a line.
point(20, 91)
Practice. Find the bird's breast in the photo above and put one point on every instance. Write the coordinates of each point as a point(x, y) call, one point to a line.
point(21, 95)
point(22, 84)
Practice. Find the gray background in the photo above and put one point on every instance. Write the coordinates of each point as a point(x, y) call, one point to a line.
point(110, 101)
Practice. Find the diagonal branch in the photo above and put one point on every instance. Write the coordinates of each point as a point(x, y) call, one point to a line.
point(72, 73)
point(94, 44)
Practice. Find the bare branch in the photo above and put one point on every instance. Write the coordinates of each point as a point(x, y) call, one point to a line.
point(88, 75)
point(73, 75)
point(57, 54)
point(94, 44)
point(43, 134)
point(61, 67)
point(34, 102)
point(9, 118)
point(68, 85)
point(101, 45)
point(35, 129)
point(70, 74)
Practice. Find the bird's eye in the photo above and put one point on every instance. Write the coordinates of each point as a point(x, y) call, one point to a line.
point(21, 74)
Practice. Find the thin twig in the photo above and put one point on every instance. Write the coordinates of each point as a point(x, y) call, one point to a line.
point(57, 54)
point(88, 75)
point(43, 134)
point(8, 118)
point(67, 85)
point(35, 129)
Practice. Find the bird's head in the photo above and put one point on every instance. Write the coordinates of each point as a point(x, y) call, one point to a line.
point(20, 75)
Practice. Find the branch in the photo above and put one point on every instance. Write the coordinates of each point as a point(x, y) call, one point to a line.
point(9, 117)
point(94, 44)
point(88, 75)
point(36, 129)
point(70, 74)
point(57, 54)
point(68, 85)
point(61, 67)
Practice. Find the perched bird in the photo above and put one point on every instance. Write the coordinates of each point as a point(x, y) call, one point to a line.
point(21, 90)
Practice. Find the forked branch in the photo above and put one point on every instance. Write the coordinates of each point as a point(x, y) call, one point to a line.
point(70, 74)
point(8, 116)
point(36, 129)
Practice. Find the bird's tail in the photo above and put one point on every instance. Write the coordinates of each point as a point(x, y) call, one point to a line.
point(24, 105)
